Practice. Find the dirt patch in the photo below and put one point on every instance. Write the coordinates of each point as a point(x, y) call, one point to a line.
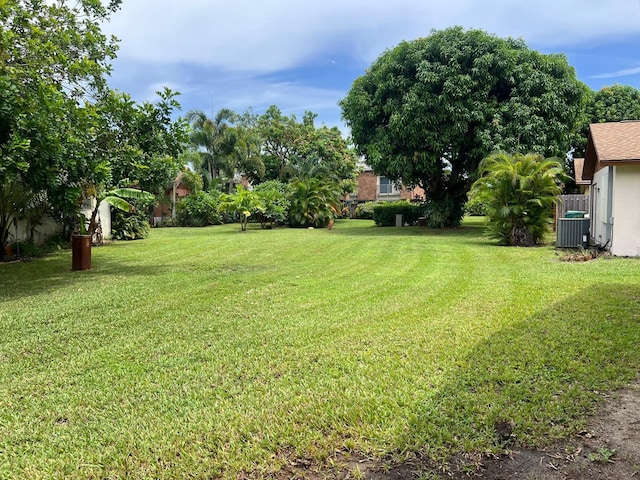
point(608, 449)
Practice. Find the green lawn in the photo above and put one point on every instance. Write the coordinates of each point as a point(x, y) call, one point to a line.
point(205, 353)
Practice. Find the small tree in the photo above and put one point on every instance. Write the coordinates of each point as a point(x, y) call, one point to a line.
point(243, 203)
point(273, 195)
point(519, 192)
point(117, 198)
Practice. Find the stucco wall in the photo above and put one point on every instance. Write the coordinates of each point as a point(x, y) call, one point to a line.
point(599, 198)
point(626, 211)
point(104, 211)
point(49, 227)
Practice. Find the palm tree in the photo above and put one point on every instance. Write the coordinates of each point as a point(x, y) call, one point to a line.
point(215, 136)
point(519, 192)
point(314, 202)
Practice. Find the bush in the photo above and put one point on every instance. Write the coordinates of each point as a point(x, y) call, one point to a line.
point(133, 225)
point(129, 226)
point(384, 213)
point(365, 210)
point(313, 202)
point(199, 209)
point(475, 207)
point(443, 213)
point(275, 204)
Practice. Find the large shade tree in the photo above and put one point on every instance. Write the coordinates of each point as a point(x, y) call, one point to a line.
point(53, 58)
point(428, 111)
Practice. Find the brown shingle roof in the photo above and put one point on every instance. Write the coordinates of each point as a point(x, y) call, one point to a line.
point(617, 141)
point(578, 164)
point(611, 144)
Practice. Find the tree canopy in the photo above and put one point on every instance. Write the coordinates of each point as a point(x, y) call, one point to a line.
point(63, 132)
point(428, 111)
point(293, 149)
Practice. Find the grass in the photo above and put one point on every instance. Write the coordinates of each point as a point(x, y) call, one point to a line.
point(205, 353)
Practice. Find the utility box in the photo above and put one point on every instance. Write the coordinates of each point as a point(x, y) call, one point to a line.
point(573, 233)
point(574, 214)
point(399, 220)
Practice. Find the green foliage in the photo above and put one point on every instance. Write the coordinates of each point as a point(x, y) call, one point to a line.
point(292, 149)
point(199, 209)
point(519, 192)
point(129, 226)
point(428, 111)
point(215, 139)
point(365, 210)
point(614, 103)
point(313, 202)
point(273, 197)
point(475, 207)
point(384, 213)
point(53, 55)
point(242, 204)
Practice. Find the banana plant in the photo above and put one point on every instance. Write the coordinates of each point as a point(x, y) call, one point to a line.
point(117, 198)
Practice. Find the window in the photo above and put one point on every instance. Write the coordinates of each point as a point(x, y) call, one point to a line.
point(387, 187)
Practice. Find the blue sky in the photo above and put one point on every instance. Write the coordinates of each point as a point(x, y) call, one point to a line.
point(303, 55)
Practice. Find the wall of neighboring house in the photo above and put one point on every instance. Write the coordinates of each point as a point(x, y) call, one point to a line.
point(47, 228)
point(626, 214)
point(372, 187)
point(601, 204)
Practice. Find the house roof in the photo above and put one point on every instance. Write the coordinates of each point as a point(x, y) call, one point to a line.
point(614, 143)
point(578, 165)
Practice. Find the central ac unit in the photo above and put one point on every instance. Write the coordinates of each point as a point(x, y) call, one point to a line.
point(573, 233)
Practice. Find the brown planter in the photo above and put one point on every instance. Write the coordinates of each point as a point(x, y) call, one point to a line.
point(8, 251)
point(80, 252)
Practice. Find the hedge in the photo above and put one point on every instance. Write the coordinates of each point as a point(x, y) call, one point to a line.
point(384, 213)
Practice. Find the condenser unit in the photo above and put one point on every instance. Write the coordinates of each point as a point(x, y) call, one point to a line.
point(573, 233)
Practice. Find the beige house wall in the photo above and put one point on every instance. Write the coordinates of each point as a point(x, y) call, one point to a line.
point(626, 211)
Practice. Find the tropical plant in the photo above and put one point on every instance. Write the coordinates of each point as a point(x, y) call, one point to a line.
point(215, 137)
point(199, 209)
point(243, 204)
point(129, 226)
point(117, 198)
point(313, 202)
point(519, 192)
point(274, 197)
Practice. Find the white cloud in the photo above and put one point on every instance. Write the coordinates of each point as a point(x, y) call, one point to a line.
point(620, 73)
point(272, 35)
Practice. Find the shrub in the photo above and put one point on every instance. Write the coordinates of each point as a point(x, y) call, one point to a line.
point(199, 209)
point(384, 213)
point(443, 213)
point(133, 224)
point(129, 226)
point(273, 195)
point(313, 202)
point(365, 210)
point(475, 207)
point(520, 192)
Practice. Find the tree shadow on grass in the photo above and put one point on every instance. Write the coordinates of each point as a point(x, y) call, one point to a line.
point(53, 272)
point(534, 382)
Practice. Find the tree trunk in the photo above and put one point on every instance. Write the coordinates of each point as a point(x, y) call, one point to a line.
point(520, 237)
